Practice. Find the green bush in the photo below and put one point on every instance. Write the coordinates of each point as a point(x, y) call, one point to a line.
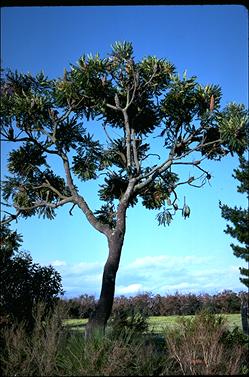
point(23, 283)
point(128, 324)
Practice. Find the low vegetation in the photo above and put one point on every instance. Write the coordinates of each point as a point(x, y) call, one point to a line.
point(158, 324)
point(203, 344)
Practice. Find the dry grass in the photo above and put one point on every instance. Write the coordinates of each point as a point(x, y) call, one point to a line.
point(34, 354)
point(194, 347)
point(197, 348)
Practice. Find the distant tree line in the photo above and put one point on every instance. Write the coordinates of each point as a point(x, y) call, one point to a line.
point(157, 305)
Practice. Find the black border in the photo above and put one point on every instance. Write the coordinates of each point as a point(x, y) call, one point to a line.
point(40, 3)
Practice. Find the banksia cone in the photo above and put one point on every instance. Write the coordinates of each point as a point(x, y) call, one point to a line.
point(211, 106)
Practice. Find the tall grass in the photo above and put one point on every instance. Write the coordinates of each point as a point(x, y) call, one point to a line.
point(202, 345)
point(35, 353)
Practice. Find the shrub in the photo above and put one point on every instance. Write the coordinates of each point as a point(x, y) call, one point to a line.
point(127, 324)
point(23, 283)
point(198, 347)
point(36, 353)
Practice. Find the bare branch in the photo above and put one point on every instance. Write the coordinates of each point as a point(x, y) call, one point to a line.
point(199, 146)
point(70, 212)
point(111, 106)
point(134, 148)
point(103, 228)
point(128, 100)
point(44, 203)
point(128, 139)
point(107, 135)
point(153, 174)
point(193, 179)
point(151, 154)
point(69, 178)
point(10, 218)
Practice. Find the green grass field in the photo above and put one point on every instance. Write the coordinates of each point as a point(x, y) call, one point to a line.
point(156, 324)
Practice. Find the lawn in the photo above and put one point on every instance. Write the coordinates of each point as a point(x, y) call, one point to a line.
point(156, 324)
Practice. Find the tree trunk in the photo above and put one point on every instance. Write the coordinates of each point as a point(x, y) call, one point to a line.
point(98, 320)
point(244, 316)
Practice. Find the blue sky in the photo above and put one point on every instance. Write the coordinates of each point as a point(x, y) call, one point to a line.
point(190, 255)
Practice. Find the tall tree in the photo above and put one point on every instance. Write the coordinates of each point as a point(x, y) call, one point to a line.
point(137, 99)
point(239, 218)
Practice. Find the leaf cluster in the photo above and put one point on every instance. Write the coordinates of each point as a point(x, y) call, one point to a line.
point(26, 100)
point(31, 185)
point(107, 215)
point(158, 191)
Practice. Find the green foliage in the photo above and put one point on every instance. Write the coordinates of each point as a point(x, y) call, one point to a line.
point(89, 158)
point(128, 324)
point(158, 191)
point(107, 215)
point(23, 160)
point(46, 117)
point(24, 283)
point(233, 125)
point(239, 218)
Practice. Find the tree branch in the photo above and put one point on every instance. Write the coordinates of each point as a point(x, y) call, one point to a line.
point(10, 218)
point(50, 187)
point(128, 100)
point(128, 139)
point(153, 174)
point(112, 107)
point(44, 203)
point(80, 201)
point(134, 148)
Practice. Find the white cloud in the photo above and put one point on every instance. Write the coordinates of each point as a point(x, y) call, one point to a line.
point(167, 261)
point(58, 263)
point(84, 267)
point(130, 289)
point(161, 274)
point(180, 286)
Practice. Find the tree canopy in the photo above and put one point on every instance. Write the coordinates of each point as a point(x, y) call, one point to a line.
point(138, 98)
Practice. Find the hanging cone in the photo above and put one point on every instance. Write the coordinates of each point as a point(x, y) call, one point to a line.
point(211, 106)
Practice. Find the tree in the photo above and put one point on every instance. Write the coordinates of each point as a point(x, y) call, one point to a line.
point(137, 99)
point(24, 283)
point(239, 218)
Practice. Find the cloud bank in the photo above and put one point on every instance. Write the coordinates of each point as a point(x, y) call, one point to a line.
point(160, 274)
